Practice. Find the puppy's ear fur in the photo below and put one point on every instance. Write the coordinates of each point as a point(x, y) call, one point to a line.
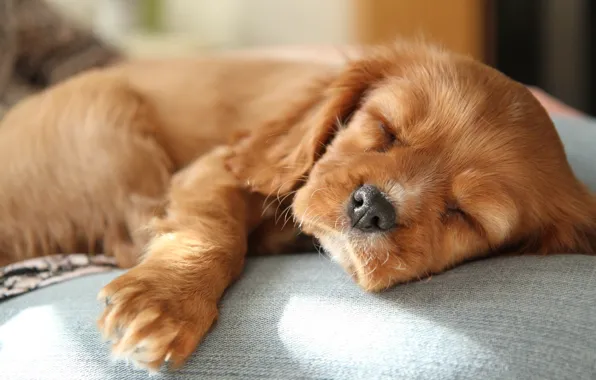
point(575, 231)
point(568, 227)
point(275, 157)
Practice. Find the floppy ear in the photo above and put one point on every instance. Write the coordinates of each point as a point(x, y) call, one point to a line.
point(574, 229)
point(569, 238)
point(276, 156)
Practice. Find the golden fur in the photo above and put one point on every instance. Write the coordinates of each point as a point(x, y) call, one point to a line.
point(194, 163)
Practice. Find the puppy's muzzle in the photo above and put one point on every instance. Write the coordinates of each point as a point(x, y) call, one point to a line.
point(369, 210)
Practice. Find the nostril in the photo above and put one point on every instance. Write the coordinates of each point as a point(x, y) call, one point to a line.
point(358, 198)
point(358, 202)
point(369, 210)
point(375, 222)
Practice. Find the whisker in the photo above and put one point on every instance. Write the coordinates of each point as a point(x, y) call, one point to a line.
point(401, 265)
point(280, 203)
point(286, 212)
point(314, 192)
point(302, 218)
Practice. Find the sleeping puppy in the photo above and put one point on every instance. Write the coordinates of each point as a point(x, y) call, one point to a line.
point(402, 163)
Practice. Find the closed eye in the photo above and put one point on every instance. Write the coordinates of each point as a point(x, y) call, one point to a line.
point(389, 138)
point(454, 211)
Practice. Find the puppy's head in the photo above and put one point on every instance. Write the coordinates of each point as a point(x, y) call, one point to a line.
point(418, 159)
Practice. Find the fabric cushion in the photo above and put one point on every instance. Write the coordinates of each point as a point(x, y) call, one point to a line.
point(579, 137)
point(300, 316)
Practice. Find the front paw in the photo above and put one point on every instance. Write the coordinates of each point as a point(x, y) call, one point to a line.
point(151, 319)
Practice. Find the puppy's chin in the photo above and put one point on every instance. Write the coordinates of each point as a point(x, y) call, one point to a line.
point(335, 246)
point(373, 262)
point(373, 271)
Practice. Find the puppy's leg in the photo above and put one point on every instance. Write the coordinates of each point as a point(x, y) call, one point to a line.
point(82, 169)
point(162, 308)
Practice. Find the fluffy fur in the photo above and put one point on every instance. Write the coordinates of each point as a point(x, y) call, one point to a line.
point(194, 163)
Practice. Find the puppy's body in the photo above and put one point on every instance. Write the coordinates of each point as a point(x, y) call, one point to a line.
point(88, 162)
point(403, 163)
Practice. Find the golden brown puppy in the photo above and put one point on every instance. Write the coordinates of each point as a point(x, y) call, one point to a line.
point(403, 163)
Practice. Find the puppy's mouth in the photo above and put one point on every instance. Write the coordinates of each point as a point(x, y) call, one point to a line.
point(357, 235)
point(333, 242)
point(372, 269)
point(336, 247)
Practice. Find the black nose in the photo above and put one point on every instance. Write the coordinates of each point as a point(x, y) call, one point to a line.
point(370, 211)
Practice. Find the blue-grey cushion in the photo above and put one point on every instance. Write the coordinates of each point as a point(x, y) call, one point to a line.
point(579, 138)
point(301, 317)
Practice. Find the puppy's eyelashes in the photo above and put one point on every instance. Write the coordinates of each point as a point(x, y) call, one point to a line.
point(388, 132)
point(389, 137)
point(452, 210)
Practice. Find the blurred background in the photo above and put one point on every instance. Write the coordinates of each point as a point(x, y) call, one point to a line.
point(547, 43)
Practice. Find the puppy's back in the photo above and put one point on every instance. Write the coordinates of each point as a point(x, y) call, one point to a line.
point(88, 160)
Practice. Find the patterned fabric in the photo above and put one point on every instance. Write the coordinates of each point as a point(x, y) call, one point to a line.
point(26, 276)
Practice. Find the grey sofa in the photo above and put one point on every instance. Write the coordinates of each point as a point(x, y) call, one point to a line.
point(301, 317)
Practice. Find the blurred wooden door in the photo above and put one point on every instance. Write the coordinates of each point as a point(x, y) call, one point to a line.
point(460, 25)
